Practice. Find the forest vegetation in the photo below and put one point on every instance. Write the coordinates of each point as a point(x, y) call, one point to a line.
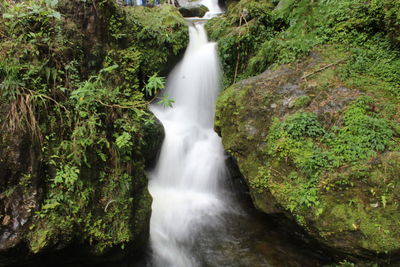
point(309, 112)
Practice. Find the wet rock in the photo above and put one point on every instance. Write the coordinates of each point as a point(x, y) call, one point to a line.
point(154, 136)
point(19, 159)
point(195, 10)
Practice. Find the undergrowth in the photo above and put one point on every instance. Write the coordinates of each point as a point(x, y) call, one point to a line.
point(85, 107)
point(313, 151)
point(369, 31)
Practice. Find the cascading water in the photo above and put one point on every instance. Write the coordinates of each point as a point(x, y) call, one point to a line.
point(213, 8)
point(185, 183)
point(192, 224)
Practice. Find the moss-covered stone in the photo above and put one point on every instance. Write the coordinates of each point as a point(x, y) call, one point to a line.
point(193, 10)
point(310, 138)
point(320, 150)
point(76, 133)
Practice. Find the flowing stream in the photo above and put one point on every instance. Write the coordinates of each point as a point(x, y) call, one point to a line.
point(185, 184)
point(193, 221)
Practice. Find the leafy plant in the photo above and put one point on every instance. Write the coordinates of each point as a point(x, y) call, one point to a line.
point(166, 101)
point(154, 84)
point(314, 150)
point(368, 30)
point(88, 106)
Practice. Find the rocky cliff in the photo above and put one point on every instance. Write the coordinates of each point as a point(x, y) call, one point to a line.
point(75, 129)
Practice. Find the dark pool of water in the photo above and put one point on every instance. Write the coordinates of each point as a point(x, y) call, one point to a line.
point(253, 239)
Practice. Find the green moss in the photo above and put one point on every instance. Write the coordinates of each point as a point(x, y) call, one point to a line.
point(315, 151)
point(86, 110)
point(378, 228)
point(129, 61)
point(40, 239)
point(261, 182)
point(367, 30)
point(304, 164)
point(239, 33)
point(160, 33)
point(326, 157)
point(302, 101)
point(228, 102)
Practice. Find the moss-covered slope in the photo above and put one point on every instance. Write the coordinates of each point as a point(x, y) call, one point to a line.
point(319, 150)
point(316, 136)
point(75, 128)
point(254, 35)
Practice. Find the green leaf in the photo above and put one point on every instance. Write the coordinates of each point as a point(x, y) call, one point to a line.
point(50, 205)
point(56, 15)
point(109, 69)
point(154, 84)
point(8, 16)
point(166, 101)
point(53, 3)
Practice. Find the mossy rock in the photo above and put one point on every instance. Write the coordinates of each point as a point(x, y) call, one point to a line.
point(77, 177)
point(319, 150)
point(197, 10)
point(153, 138)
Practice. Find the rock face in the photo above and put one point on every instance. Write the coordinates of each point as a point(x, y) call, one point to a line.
point(74, 180)
point(193, 10)
point(319, 150)
point(18, 160)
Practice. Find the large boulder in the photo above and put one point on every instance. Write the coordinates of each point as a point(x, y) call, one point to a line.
point(196, 10)
point(320, 150)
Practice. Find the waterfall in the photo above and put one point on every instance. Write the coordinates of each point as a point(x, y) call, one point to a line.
point(185, 183)
point(213, 8)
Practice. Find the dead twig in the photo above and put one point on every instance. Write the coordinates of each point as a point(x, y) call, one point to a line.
point(117, 106)
point(108, 204)
point(322, 69)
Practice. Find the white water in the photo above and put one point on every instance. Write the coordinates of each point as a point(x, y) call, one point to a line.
point(213, 8)
point(185, 183)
